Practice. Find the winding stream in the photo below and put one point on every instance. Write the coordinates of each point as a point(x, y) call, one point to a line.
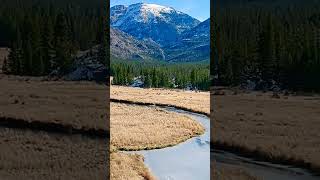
point(186, 161)
point(190, 160)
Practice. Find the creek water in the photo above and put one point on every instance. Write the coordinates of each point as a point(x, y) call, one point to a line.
point(190, 160)
point(186, 161)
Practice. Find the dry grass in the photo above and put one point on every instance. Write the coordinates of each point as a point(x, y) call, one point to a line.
point(229, 173)
point(135, 127)
point(195, 101)
point(25, 154)
point(284, 129)
point(79, 104)
point(128, 166)
point(40, 155)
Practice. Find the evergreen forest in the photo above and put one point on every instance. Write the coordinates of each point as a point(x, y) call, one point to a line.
point(161, 75)
point(45, 35)
point(267, 44)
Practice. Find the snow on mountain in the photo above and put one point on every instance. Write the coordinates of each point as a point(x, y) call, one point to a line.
point(192, 45)
point(200, 32)
point(140, 12)
point(153, 11)
point(161, 24)
point(117, 12)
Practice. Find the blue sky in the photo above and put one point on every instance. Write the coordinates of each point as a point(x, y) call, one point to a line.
point(199, 9)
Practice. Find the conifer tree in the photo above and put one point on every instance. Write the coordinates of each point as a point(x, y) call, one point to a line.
point(47, 44)
point(5, 67)
point(62, 44)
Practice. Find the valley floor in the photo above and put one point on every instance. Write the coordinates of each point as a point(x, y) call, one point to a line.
point(282, 129)
point(63, 112)
point(52, 130)
point(189, 100)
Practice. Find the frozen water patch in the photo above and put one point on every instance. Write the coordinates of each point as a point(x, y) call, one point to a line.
point(189, 160)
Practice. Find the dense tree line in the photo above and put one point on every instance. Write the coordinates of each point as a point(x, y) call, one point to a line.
point(269, 44)
point(45, 35)
point(195, 76)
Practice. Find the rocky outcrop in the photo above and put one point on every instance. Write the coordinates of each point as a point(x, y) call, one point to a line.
point(88, 66)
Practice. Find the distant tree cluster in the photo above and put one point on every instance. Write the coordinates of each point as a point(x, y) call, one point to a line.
point(181, 76)
point(45, 35)
point(268, 44)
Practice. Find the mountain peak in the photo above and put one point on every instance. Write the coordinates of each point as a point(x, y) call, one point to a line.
point(144, 12)
point(156, 9)
point(160, 23)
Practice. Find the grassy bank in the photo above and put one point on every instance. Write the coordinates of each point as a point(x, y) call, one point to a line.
point(230, 173)
point(189, 100)
point(141, 128)
point(281, 129)
point(128, 166)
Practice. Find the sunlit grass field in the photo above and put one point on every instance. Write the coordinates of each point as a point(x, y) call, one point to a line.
point(136, 128)
point(191, 100)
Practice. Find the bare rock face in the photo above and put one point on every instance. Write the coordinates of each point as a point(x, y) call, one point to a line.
point(125, 46)
point(88, 66)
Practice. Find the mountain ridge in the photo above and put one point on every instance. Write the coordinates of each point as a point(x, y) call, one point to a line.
point(127, 47)
point(160, 23)
point(152, 31)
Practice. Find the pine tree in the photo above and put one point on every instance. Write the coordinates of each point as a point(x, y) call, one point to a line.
point(147, 80)
point(11, 60)
point(26, 28)
point(193, 77)
point(154, 79)
point(266, 51)
point(62, 60)
point(47, 45)
point(37, 56)
point(5, 66)
point(15, 58)
point(28, 63)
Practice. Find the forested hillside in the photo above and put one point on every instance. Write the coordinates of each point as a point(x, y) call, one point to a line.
point(267, 44)
point(161, 75)
point(44, 35)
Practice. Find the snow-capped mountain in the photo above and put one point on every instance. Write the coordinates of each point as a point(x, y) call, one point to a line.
point(200, 32)
point(124, 46)
point(162, 24)
point(192, 45)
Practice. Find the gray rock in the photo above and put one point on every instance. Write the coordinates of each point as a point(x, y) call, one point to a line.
point(87, 66)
